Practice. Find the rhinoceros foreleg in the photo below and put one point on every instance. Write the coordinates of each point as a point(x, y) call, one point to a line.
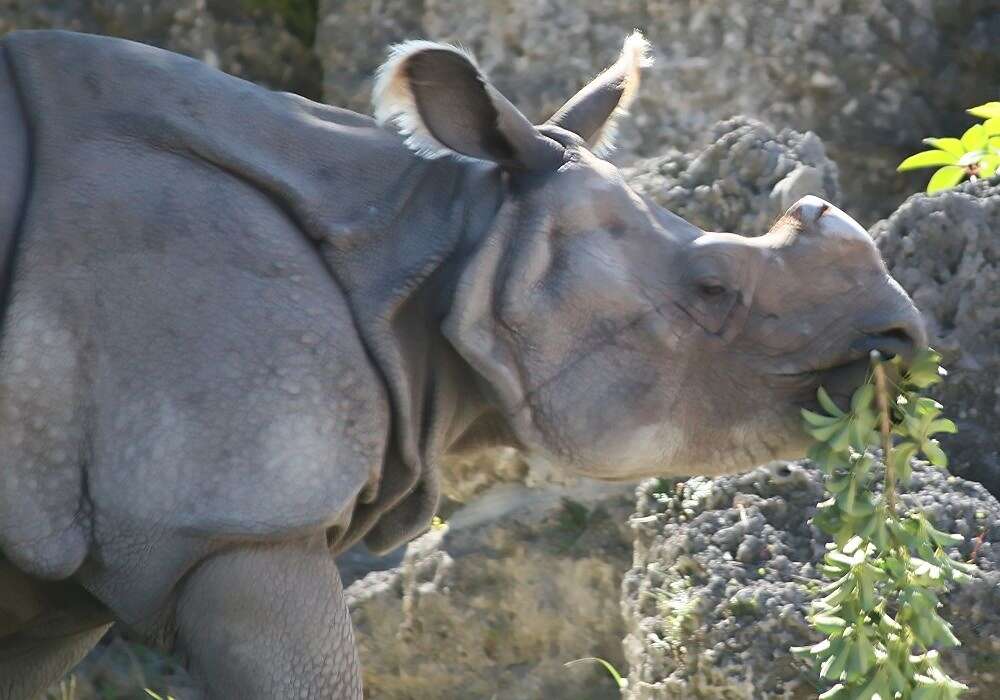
point(269, 621)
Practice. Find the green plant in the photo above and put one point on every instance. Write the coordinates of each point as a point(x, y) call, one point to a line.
point(621, 682)
point(887, 564)
point(975, 155)
point(156, 696)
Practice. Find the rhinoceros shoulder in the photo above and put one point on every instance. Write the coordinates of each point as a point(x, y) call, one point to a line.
point(176, 354)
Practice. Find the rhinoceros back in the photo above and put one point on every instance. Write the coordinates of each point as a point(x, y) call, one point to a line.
point(176, 359)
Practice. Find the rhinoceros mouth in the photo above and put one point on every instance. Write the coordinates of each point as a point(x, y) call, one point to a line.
point(843, 376)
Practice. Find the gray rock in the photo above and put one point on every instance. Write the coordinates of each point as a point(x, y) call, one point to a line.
point(463, 478)
point(518, 583)
point(229, 34)
point(723, 569)
point(863, 75)
point(945, 250)
point(259, 45)
point(745, 177)
point(179, 25)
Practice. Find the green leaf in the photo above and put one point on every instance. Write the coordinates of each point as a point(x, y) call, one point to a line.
point(827, 433)
point(827, 459)
point(986, 111)
point(877, 687)
point(989, 165)
point(817, 420)
point(974, 138)
point(945, 178)
point(834, 666)
point(840, 559)
point(900, 460)
point(829, 624)
point(927, 159)
point(949, 144)
point(935, 455)
point(925, 369)
point(862, 658)
point(622, 682)
point(835, 693)
point(942, 425)
point(862, 398)
point(827, 403)
point(853, 545)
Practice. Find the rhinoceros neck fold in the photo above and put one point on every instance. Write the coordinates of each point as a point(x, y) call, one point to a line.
point(398, 264)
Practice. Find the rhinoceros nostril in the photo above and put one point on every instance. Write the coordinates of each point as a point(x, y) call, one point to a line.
point(891, 342)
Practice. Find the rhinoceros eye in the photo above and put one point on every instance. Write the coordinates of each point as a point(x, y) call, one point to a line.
point(711, 289)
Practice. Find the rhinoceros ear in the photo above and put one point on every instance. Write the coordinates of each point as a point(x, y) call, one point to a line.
point(437, 96)
point(592, 112)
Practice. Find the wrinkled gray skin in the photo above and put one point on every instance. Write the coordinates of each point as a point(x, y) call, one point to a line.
point(240, 328)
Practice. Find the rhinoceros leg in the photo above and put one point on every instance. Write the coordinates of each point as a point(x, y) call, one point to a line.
point(269, 621)
point(30, 666)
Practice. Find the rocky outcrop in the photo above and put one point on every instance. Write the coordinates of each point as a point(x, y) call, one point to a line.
point(945, 250)
point(179, 25)
point(242, 37)
point(742, 181)
point(494, 603)
point(863, 75)
point(724, 570)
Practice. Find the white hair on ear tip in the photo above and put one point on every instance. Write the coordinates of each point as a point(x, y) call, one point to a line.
point(394, 102)
point(634, 57)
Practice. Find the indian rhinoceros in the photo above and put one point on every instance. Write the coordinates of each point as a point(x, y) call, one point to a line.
point(241, 328)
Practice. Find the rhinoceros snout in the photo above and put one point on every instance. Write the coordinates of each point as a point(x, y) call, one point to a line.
point(894, 326)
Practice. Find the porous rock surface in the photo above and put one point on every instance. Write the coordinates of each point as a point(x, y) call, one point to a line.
point(724, 570)
point(742, 181)
point(493, 604)
point(871, 78)
point(945, 250)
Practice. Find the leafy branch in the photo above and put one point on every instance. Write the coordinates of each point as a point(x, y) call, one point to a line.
point(887, 565)
point(976, 154)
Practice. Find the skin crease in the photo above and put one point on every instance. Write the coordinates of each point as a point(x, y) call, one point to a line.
point(240, 329)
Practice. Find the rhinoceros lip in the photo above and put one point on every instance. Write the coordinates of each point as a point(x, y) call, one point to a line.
point(858, 358)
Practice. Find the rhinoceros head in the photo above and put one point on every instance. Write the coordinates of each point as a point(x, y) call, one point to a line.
point(615, 338)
